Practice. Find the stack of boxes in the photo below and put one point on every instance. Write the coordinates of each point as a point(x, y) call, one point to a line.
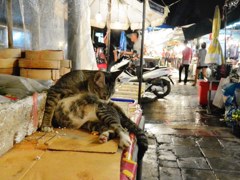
point(9, 61)
point(44, 65)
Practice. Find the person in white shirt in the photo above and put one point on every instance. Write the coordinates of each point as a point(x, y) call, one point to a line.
point(201, 63)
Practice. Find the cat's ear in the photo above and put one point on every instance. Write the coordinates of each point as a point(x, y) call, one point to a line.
point(114, 75)
point(99, 79)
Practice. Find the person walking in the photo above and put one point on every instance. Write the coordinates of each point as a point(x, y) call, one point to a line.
point(201, 63)
point(186, 60)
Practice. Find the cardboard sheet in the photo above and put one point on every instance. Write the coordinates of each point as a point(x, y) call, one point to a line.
point(64, 165)
point(75, 166)
point(17, 162)
point(70, 140)
point(63, 154)
point(76, 140)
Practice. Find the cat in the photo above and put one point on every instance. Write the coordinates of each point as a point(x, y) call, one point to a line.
point(86, 111)
point(77, 82)
point(97, 83)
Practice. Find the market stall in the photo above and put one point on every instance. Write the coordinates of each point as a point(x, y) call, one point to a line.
point(39, 149)
point(42, 55)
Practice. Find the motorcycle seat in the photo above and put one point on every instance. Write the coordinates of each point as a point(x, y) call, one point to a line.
point(149, 69)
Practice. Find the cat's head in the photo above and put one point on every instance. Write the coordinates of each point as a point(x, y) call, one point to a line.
point(104, 84)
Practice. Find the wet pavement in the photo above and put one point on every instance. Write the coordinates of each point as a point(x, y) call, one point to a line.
point(186, 143)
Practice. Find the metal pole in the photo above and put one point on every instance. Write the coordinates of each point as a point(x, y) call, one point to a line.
point(10, 23)
point(225, 29)
point(109, 30)
point(141, 56)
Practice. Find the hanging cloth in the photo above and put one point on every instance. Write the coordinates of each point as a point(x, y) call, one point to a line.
point(123, 42)
point(214, 54)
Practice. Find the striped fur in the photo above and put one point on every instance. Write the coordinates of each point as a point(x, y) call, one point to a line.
point(89, 88)
point(74, 112)
point(76, 82)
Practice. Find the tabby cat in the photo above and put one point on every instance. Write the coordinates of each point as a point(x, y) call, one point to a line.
point(88, 112)
point(82, 90)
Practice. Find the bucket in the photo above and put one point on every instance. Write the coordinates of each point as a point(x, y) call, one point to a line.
point(102, 66)
point(203, 88)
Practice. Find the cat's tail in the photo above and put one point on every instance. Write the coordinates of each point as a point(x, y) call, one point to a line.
point(142, 139)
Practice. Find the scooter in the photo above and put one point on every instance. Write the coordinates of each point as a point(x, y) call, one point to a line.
point(158, 79)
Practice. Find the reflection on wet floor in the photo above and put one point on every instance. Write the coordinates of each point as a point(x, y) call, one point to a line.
point(186, 142)
point(180, 107)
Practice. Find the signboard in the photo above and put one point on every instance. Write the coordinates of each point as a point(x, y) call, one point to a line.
point(156, 7)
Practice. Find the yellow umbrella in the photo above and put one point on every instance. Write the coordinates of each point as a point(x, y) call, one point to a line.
point(214, 54)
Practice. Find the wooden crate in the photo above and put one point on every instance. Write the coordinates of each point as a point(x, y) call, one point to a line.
point(10, 53)
point(10, 71)
point(8, 63)
point(45, 55)
point(64, 70)
point(40, 74)
point(43, 64)
point(66, 63)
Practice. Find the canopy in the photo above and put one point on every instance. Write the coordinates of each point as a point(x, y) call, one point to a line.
point(125, 14)
point(214, 54)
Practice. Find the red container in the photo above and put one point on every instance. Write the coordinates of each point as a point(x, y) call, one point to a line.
point(102, 66)
point(203, 88)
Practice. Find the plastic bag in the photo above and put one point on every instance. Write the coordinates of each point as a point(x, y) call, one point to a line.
point(21, 87)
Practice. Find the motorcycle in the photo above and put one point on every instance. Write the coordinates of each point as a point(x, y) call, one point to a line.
point(158, 79)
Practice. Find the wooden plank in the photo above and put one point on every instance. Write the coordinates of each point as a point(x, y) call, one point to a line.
point(8, 63)
point(47, 64)
point(64, 71)
point(40, 74)
point(9, 71)
point(10, 53)
point(45, 55)
point(66, 63)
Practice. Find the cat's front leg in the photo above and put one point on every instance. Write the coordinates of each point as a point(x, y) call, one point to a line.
point(125, 140)
point(96, 126)
point(105, 136)
point(52, 99)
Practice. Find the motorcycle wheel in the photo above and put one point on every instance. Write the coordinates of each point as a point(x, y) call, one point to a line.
point(165, 85)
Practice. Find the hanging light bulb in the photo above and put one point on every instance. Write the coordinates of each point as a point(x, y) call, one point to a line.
point(98, 17)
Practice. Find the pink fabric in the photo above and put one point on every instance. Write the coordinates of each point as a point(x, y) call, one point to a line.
point(187, 55)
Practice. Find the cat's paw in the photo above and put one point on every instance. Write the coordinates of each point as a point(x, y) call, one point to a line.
point(125, 140)
point(47, 129)
point(103, 138)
